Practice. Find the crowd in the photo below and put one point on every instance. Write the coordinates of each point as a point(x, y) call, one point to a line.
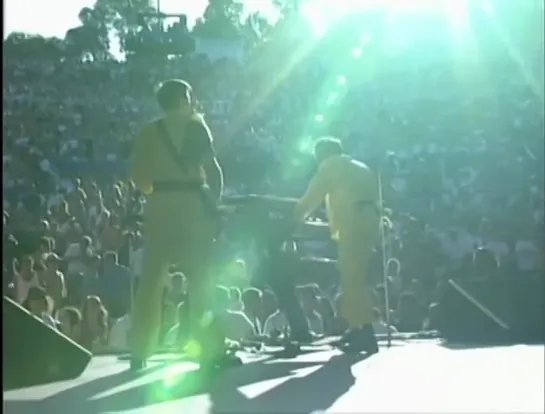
point(460, 159)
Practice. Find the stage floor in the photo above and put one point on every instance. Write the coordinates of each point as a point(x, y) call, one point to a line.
point(408, 377)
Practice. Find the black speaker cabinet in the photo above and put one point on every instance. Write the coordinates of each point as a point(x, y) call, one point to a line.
point(34, 353)
point(504, 309)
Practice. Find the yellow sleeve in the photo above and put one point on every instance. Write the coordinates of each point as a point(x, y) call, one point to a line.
point(316, 193)
point(141, 164)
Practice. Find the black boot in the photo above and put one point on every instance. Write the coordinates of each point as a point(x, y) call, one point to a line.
point(215, 353)
point(137, 364)
point(302, 337)
point(362, 340)
point(346, 338)
point(218, 363)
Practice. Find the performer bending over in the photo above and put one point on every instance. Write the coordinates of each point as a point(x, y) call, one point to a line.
point(350, 191)
point(175, 166)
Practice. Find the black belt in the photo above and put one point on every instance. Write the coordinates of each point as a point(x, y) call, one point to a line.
point(201, 191)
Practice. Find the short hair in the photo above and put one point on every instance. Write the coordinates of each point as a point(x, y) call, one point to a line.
point(309, 290)
point(171, 93)
point(268, 295)
point(234, 293)
point(178, 277)
point(36, 293)
point(72, 314)
point(251, 294)
point(328, 146)
point(485, 256)
point(52, 257)
point(110, 256)
point(221, 296)
point(252, 291)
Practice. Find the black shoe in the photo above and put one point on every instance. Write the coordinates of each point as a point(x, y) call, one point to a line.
point(362, 340)
point(291, 349)
point(229, 360)
point(345, 339)
point(137, 364)
point(226, 361)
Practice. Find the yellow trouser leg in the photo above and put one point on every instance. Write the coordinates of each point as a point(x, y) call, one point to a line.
point(194, 262)
point(147, 304)
point(176, 231)
point(354, 256)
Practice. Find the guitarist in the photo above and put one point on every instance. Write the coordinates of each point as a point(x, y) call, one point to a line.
point(174, 164)
point(351, 193)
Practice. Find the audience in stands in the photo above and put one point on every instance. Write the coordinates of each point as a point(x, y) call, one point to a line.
point(458, 162)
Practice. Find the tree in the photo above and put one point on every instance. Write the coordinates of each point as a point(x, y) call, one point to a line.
point(256, 28)
point(24, 46)
point(122, 14)
point(221, 19)
point(90, 38)
point(287, 7)
point(105, 19)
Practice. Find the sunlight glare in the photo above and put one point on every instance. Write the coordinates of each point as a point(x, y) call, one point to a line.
point(332, 98)
point(357, 52)
point(322, 14)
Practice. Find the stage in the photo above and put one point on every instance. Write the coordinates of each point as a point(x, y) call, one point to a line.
point(423, 376)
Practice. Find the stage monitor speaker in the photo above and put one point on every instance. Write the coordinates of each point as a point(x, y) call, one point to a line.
point(505, 309)
point(34, 353)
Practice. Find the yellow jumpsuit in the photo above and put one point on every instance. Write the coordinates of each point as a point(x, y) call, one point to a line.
point(350, 190)
point(176, 230)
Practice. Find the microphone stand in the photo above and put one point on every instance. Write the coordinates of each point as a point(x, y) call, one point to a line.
point(384, 222)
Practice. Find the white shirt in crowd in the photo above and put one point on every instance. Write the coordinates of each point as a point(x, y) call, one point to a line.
point(22, 286)
point(73, 257)
point(119, 333)
point(238, 326)
point(277, 322)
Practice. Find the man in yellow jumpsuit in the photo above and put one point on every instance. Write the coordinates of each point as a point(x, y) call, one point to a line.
point(181, 181)
point(350, 191)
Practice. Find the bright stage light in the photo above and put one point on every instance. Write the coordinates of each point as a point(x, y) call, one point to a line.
point(323, 14)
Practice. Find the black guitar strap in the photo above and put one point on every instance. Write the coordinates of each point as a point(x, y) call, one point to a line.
point(201, 190)
point(165, 136)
